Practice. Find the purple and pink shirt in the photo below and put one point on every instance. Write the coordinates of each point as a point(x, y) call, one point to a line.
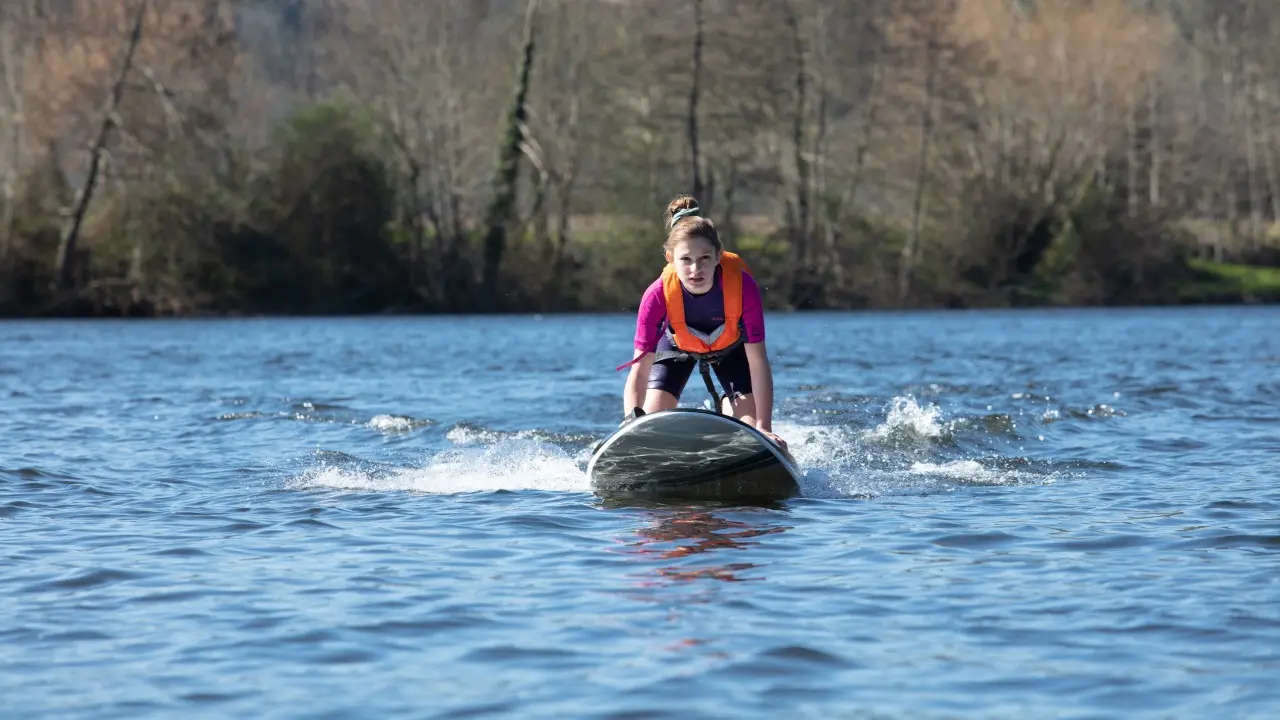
point(704, 312)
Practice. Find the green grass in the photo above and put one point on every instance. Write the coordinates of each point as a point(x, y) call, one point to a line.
point(1218, 280)
point(1208, 233)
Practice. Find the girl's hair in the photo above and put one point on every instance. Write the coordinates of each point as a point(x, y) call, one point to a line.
point(687, 224)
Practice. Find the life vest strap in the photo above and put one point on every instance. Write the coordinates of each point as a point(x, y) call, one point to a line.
point(704, 366)
point(626, 365)
point(708, 338)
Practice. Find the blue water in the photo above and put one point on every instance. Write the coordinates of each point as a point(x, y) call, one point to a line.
point(1004, 514)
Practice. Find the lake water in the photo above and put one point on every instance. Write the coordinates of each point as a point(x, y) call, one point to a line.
point(1005, 514)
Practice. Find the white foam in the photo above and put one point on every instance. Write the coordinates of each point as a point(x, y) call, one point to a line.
point(818, 446)
point(970, 472)
point(906, 414)
point(848, 462)
point(506, 465)
point(392, 423)
point(968, 468)
point(837, 461)
point(466, 436)
point(833, 461)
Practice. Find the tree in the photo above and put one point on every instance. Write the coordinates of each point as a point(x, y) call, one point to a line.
point(501, 208)
point(71, 232)
point(18, 24)
point(561, 105)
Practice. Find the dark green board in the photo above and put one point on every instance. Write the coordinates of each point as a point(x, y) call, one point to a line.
point(693, 454)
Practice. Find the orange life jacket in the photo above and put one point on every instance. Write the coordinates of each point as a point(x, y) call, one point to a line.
point(726, 336)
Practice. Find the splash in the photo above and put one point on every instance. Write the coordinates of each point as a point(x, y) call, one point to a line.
point(908, 418)
point(968, 472)
point(510, 464)
point(905, 448)
point(396, 423)
point(910, 451)
point(466, 435)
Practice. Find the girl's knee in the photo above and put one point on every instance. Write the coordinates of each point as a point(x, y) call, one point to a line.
point(742, 407)
point(655, 400)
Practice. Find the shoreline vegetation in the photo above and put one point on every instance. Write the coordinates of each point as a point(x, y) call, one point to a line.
point(273, 157)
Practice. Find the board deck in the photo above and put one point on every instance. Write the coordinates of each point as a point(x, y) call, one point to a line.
point(691, 453)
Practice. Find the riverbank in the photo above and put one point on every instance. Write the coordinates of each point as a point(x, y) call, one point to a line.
point(1208, 283)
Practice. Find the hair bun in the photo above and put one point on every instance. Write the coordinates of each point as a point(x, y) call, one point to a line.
point(682, 214)
point(680, 207)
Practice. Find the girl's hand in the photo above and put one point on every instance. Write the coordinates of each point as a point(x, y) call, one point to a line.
point(769, 434)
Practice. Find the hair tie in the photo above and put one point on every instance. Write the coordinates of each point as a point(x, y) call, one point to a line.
point(682, 213)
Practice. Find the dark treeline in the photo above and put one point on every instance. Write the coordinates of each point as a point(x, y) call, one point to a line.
point(282, 156)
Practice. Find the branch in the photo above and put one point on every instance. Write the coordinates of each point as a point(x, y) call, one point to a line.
point(67, 247)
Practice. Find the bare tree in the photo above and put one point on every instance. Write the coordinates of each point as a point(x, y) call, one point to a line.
point(799, 208)
point(440, 99)
point(934, 27)
point(71, 233)
point(695, 91)
point(501, 208)
point(849, 74)
point(17, 26)
point(559, 107)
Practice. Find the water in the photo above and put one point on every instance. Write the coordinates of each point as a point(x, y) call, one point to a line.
point(1005, 514)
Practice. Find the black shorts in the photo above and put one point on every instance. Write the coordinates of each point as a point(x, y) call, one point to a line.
point(732, 370)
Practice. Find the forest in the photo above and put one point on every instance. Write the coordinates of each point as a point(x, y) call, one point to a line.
point(222, 157)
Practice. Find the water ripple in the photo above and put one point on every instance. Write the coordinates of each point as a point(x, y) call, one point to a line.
point(350, 517)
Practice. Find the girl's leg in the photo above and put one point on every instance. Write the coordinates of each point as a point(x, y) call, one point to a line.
point(734, 373)
point(743, 407)
point(667, 379)
point(655, 400)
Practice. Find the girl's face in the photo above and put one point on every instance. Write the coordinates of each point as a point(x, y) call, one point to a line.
point(695, 260)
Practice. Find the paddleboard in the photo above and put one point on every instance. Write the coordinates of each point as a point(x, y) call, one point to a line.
point(694, 454)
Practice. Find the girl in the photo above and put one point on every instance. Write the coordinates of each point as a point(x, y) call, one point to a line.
point(704, 307)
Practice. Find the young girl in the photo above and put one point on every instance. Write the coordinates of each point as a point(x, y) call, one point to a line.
point(704, 306)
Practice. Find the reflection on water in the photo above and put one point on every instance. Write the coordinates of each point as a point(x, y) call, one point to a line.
point(689, 534)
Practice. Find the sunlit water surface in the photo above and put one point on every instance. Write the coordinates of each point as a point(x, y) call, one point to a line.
point(1004, 514)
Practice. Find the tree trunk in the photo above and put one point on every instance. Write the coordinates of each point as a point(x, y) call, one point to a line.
point(564, 196)
point(135, 275)
point(71, 233)
point(502, 204)
point(413, 220)
point(1131, 156)
point(1155, 151)
point(1229, 174)
point(800, 218)
point(14, 60)
point(1100, 130)
point(833, 279)
point(848, 199)
point(1251, 158)
point(728, 218)
point(906, 266)
point(458, 279)
point(551, 294)
point(1203, 193)
point(1269, 151)
point(695, 91)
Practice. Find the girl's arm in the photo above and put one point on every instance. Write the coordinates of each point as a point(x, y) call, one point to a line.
point(637, 381)
point(758, 358)
point(653, 309)
point(761, 384)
